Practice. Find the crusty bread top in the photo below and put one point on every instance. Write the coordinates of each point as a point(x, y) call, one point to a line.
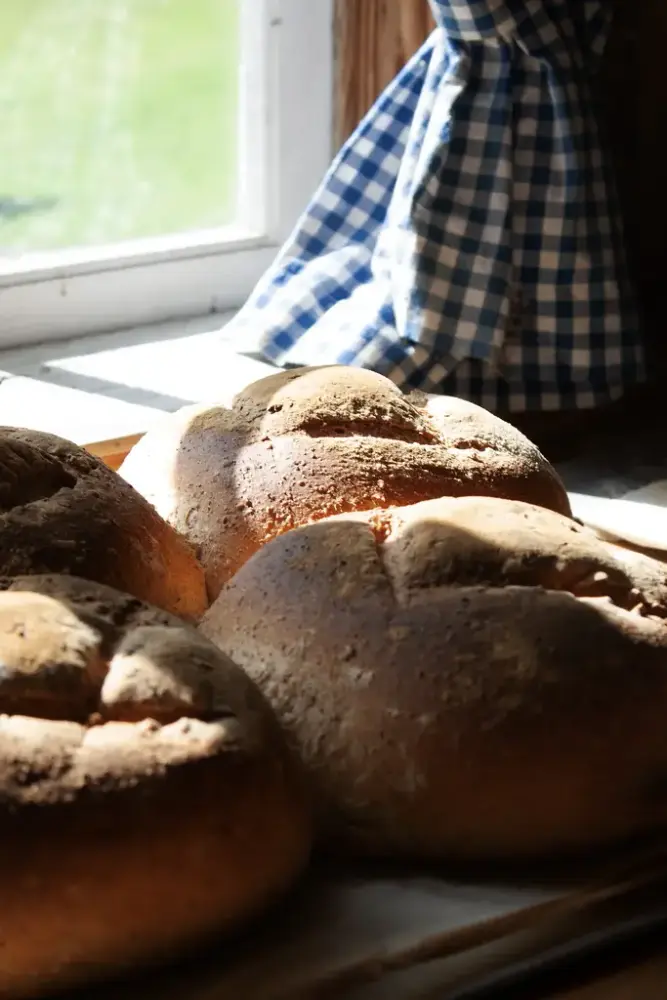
point(475, 541)
point(98, 689)
point(325, 402)
point(63, 511)
point(417, 553)
point(467, 676)
point(147, 797)
point(302, 445)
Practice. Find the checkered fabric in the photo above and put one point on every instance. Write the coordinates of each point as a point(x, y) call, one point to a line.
point(466, 239)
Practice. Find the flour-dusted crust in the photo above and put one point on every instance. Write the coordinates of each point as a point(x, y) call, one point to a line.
point(462, 677)
point(301, 445)
point(147, 798)
point(63, 511)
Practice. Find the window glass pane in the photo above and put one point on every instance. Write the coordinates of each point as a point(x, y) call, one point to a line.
point(117, 119)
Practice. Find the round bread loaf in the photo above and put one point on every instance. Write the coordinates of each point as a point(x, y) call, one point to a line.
point(468, 677)
point(63, 511)
point(146, 794)
point(301, 445)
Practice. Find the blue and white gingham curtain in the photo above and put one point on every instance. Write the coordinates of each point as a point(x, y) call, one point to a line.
point(467, 239)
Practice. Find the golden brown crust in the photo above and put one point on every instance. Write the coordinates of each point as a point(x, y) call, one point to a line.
point(139, 772)
point(463, 677)
point(64, 511)
point(302, 445)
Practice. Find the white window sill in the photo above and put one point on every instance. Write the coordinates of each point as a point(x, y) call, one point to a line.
point(110, 386)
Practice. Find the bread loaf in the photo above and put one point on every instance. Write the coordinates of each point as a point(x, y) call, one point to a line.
point(146, 795)
point(64, 511)
point(463, 678)
point(300, 445)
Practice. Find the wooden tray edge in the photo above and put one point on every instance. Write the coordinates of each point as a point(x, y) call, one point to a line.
point(113, 451)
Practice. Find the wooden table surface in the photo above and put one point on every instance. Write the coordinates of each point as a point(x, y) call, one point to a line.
point(645, 981)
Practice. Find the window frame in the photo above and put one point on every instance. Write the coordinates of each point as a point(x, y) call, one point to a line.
point(285, 140)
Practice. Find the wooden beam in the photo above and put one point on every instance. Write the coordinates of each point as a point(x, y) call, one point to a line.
point(374, 39)
point(113, 451)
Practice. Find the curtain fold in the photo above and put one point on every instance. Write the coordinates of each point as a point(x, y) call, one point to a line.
point(376, 37)
point(466, 239)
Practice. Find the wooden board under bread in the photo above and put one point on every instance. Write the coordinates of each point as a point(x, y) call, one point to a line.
point(349, 935)
point(114, 450)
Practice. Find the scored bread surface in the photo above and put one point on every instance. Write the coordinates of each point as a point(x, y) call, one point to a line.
point(147, 798)
point(462, 677)
point(302, 445)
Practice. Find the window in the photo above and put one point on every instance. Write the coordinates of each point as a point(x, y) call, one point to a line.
point(154, 154)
